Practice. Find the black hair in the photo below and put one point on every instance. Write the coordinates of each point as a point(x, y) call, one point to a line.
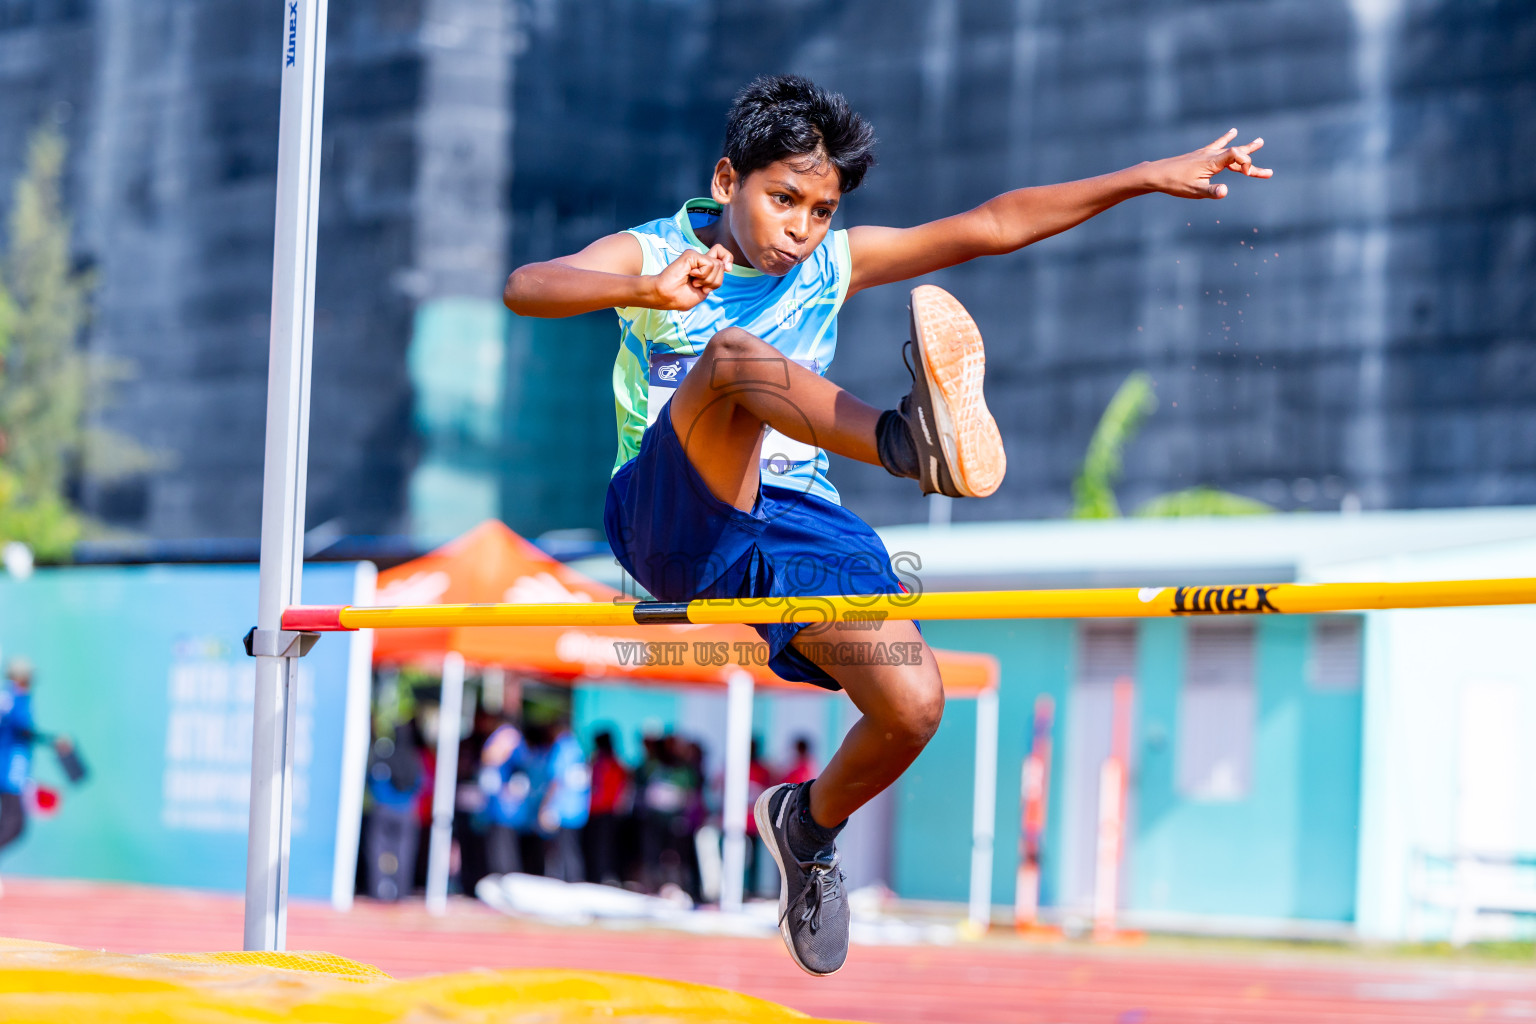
point(787, 115)
point(603, 741)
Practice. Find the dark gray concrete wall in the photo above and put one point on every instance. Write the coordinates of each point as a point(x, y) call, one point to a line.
point(1358, 329)
point(171, 112)
point(1385, 356)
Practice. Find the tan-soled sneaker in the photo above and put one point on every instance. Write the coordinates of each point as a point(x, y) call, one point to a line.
point(959, 449)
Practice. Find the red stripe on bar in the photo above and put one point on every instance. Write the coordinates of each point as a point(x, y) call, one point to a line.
point(314, 618)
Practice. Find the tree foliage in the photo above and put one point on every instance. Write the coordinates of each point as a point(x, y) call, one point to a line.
point(43, 376)
point(47, 383)
point(1093, 491)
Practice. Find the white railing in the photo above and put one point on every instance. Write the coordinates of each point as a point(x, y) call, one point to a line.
point(1480, 890)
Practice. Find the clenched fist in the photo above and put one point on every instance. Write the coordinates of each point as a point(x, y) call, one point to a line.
point(690, 278)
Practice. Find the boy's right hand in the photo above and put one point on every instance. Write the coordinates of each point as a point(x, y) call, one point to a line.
point(690, 278)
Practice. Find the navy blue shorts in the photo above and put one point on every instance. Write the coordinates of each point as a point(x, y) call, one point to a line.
point(681, 543)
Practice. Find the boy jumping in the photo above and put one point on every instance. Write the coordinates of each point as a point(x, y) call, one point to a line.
point(729, 313)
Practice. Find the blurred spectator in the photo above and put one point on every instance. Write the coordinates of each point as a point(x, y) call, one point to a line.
point(656, 800)
point(641, 814)
point(691, 756)
point(610, 802)
point(470, 819)
point(15, 748)
point(396, 780)
point(566, 792)
point(803, 767)
point(427, 751)
point(537, 739)
point(759, 778)
point(664, 788)
point(19, 792)
point(505, 780)
point(695, 813)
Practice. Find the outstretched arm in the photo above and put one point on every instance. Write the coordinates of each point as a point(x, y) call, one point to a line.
point(607, 274)
point(1015, 219)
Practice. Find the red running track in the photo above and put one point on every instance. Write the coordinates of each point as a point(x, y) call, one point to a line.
point(995, 981)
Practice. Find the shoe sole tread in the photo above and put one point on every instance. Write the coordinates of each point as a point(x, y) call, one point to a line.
point(953, 357)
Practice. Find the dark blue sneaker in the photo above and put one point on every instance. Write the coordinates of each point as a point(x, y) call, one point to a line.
point(813, 907)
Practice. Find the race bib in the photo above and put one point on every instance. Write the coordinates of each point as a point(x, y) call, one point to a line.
point(781, 455)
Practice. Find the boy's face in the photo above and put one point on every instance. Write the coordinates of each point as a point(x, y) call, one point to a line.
point(779, 213)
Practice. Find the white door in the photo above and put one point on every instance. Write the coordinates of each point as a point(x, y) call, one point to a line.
point(1106, 652)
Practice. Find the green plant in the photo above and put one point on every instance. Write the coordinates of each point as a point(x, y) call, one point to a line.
point(1093, 492)
point(1202, 501)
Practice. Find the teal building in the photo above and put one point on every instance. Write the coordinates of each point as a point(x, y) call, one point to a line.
point(1308, 776)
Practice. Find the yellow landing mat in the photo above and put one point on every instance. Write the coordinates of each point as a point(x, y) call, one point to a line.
point(42, 982)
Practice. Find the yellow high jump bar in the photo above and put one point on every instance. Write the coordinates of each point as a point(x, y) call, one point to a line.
point(1146, 602)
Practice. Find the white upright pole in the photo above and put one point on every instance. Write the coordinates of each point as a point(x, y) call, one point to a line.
point(985, 809)
point(445, 782)
point(287, 452)
point(733, 804)
point(356, 731)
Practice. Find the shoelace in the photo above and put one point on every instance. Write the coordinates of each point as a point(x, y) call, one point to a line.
point(904, 407)
point(824, 881)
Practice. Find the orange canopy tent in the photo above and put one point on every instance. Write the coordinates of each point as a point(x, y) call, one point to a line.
point(492, 564)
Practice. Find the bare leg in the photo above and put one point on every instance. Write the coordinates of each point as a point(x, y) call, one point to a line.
point(902, 706)
point(739, 385)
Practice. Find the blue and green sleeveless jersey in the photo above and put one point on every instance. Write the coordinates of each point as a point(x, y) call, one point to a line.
point(796, 314)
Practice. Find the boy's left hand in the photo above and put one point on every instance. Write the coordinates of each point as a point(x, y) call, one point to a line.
point(1190, 175)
